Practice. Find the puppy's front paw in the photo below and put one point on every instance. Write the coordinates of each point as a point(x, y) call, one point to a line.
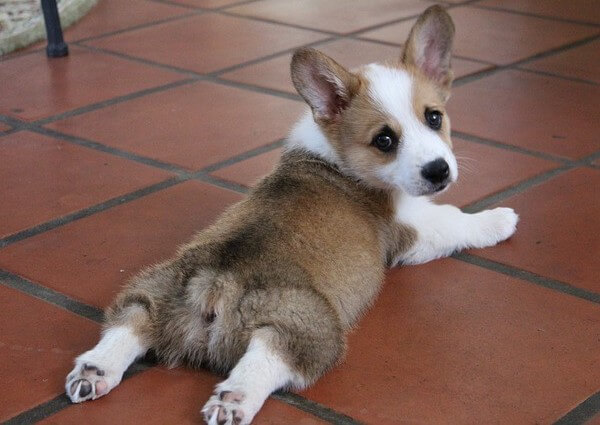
point(497, 225)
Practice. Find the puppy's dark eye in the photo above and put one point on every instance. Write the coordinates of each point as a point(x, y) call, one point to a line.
point(386, 140)
point(433, 118)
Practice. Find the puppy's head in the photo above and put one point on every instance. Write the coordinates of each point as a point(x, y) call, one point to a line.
point(387, 124)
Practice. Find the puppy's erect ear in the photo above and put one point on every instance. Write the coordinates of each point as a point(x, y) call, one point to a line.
point(323, 83)
point(429, 45)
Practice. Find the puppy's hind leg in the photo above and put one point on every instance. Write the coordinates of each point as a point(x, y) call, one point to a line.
point(100, 369)
point(260, 371)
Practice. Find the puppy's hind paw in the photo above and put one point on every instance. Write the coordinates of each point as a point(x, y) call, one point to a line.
point(225, 409)
point(87, 381)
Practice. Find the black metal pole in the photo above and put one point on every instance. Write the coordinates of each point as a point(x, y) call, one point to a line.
point(56, 45)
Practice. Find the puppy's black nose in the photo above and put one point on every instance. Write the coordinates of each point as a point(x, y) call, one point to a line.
point(436, 171)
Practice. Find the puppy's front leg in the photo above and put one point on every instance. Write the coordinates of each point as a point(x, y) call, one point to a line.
point(444, 229)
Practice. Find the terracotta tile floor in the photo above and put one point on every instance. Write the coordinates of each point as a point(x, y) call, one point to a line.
point(166, 111)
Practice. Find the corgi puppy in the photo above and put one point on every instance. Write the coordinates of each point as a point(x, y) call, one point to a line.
point(269, 292)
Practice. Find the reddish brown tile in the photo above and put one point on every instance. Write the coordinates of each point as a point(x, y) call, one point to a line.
point(582, 62)
point(37, 345)
point(91, 258)
point(110, 15)
point(160, 396)
point(558, 230)
point(40, 87)
point(275, 73)
point(579, 10)
point(333, 16)
point(536, 112)
point(207, 42)
point(496, 37)
point(210, 4)
point(249, 171)
point(192, 126)
point(42, 178)
point(483, 171)
point(449, 341)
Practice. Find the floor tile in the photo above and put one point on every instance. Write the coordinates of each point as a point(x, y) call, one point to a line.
point(581, 62)
point(536, 112)
point(42, 178)
point(110, 15)
point(579, 10)
point(191, 126)
point(494, 36)
point(207, 42)
point(159, 396)
point(210, 4)
point(483, 171)
point(91, 258)
point(333, 16)
point(449, 342)
point(557, 235)
point(40, 87)
point(37, 345)
point(251, 170)
point(275, 73)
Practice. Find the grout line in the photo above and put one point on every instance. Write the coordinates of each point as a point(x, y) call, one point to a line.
point(110, 150)
point(266, 58)
point(140, 60)
point(527, 276)
point(244, 156)
point(516, 65)
point(86, 212)
point(257, 89)
point(40, 411)
point(585, 411)
point(535, 15)
point(113, 101)
point(314, 408)
point(488, 142)
point(51, 296)
point(216, 181)
point(514, 190)
point(562, 77)
point(172, 3)
point(550, 52)
point(141, 26)
point(276, 22)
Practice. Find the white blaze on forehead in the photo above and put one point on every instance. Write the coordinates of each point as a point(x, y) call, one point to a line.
point(391, 90)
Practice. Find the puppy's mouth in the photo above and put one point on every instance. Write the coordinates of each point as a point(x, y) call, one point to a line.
point(440, 187)
point(431, 189)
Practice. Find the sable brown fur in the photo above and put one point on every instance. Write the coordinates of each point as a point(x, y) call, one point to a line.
point(303, 256)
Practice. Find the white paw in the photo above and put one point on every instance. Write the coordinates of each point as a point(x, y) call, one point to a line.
point(89, 380)
point(497, 225)
point(226, 408)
